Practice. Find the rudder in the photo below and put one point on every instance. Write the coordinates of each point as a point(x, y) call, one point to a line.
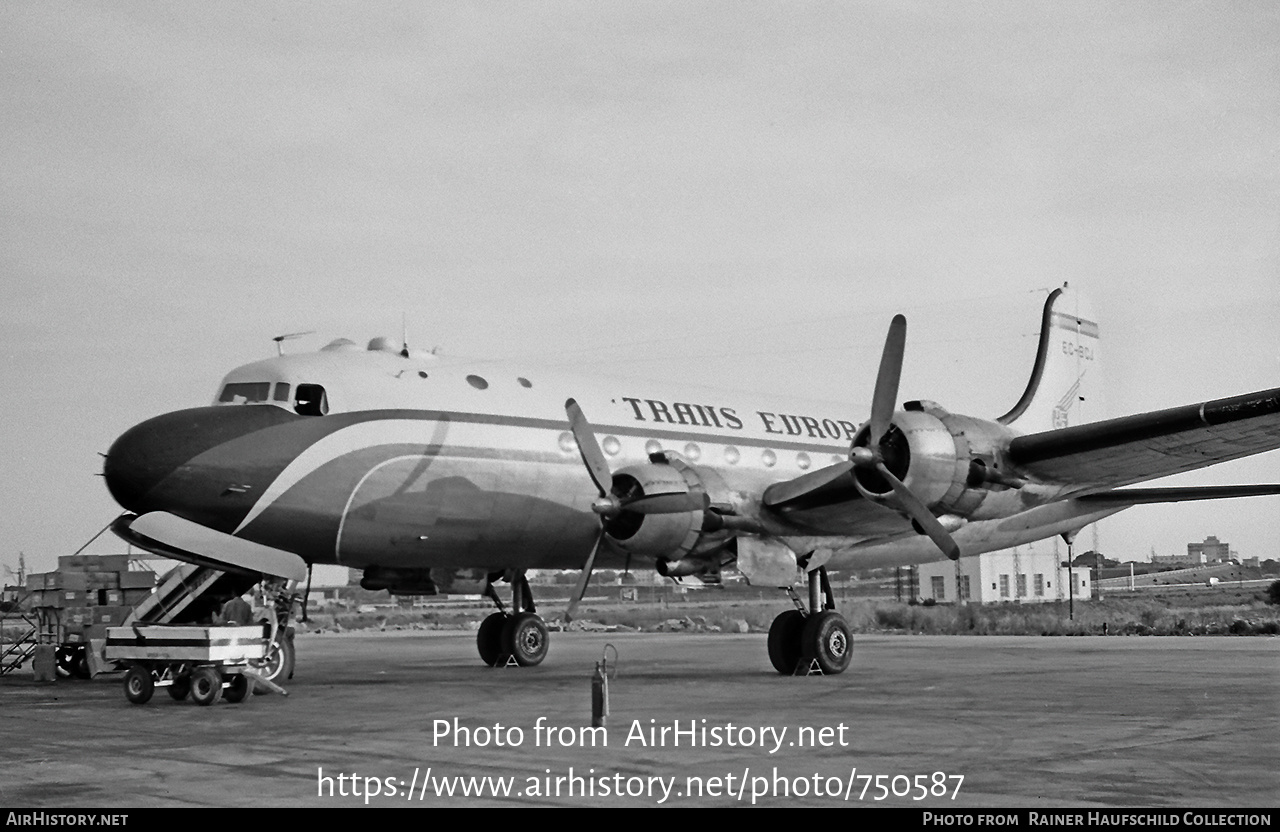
point(1066, 383)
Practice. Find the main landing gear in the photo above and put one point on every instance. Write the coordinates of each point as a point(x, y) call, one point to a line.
point(519, 635)
point(803, 642)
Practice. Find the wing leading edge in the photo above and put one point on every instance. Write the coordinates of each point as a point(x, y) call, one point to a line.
point(1132, 449)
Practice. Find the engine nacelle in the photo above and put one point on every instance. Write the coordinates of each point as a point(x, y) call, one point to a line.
point(950, 462)
point(665, 537)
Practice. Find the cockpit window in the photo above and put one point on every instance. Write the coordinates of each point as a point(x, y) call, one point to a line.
point(282, 392)
point(242, 393)
point(311, 400)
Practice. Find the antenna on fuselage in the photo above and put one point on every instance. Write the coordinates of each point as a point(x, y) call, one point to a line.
point(404, 334)
point(280, 339)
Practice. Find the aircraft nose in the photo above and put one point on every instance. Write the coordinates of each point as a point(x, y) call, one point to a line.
point(149, 452)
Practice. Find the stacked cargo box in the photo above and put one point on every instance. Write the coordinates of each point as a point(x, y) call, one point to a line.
point(89, 593)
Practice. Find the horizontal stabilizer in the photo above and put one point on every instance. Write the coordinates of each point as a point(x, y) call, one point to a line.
point(171, 536)
point(1137, 496)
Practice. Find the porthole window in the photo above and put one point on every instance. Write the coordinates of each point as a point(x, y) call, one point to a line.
point(692, 451)
point(477, 382)
point(769, 458)
point(802, 459)
point(653, 446)
point(524, 382)
point(567, 444)
point(422, 374)
point(731, 455)
point(611, 445)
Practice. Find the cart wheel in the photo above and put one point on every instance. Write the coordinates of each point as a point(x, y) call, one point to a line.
point(138, 685)
point(180, 688)
point(237, 689)
point(206, 686)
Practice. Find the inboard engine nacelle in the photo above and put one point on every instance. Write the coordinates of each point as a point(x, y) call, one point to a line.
point(951, 462)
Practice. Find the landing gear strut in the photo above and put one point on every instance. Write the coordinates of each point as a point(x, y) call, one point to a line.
point(519, 635)
point(802, 641)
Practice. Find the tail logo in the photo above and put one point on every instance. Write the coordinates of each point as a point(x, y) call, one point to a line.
point(1063, 407)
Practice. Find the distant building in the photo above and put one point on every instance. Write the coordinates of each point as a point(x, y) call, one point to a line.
point(1008, 576)
point(1211, 550)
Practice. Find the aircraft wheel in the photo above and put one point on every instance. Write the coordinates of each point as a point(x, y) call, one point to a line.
point(206, 686)
point(237, 689)
point(526, 638)
point(826, 638)
point(138, 685)
point(180, 688)
point(489, 638)
point(784, 641)
point(278, 665)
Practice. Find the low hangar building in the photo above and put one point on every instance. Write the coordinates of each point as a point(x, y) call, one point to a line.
point(1007, 576)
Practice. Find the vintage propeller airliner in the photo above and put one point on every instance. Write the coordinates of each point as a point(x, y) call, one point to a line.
point(412, 467)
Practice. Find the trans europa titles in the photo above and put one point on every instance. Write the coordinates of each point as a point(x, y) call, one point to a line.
point(710, 416)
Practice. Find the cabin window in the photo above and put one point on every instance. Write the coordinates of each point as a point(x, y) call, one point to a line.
point(245, 392)
point(477, 382)
point(311, 400)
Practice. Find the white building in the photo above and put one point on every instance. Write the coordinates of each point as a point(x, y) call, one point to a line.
point(1008, 576)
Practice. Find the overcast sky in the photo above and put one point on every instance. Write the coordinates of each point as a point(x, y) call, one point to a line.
point(733, 193)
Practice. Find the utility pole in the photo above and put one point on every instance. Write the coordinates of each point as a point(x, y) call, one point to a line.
point(1070, 538)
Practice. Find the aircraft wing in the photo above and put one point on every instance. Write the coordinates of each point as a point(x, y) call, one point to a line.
point(1132, 449)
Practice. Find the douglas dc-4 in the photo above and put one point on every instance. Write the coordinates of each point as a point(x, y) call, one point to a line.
point(412, 467)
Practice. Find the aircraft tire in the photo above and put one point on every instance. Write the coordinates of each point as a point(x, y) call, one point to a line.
point(138, 685)
point(180, 688)
point(206, 686)
point(489, 638)
point(526, 638)
point(237, 689)
point(784, 641)
point(279, 667)
point(826, 638)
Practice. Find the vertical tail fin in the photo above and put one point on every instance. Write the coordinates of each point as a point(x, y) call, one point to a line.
point(1066, 382)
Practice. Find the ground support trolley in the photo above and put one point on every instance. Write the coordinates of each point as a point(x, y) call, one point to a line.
point(205, 663)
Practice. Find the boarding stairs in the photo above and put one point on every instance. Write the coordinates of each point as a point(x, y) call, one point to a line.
point(189, 593)
point(20, 631)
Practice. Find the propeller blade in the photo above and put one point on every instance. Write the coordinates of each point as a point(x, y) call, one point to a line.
point(886, 394)
point(911, 503)
point(784, 492)
point(589, 448)
point(668, 503)
point(581, 589)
